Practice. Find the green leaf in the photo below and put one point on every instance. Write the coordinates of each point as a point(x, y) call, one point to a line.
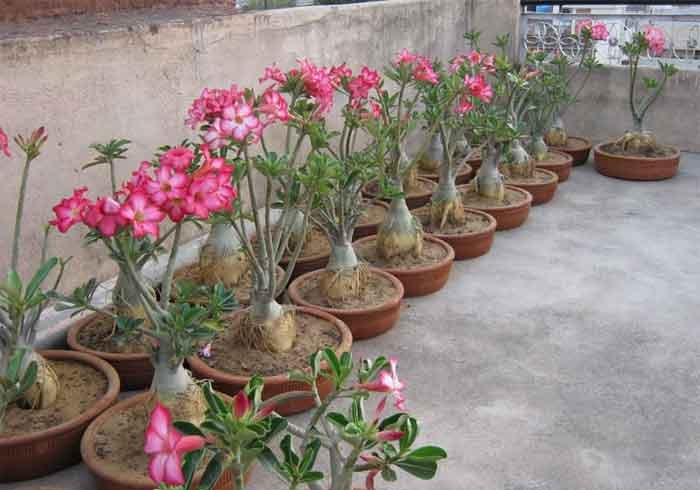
point(421, 468)
point(14, 283)
point(311, 476)
point(337, 419)
point(40, 277)
point(332, 361)
point(429, 453)
point(388, 474)
point(290, 456)
point(29, 377)
point(309, 458)
point(188, 429)
point(270, 461)
point(410, 430)
point(211, 474)
point(190, 464)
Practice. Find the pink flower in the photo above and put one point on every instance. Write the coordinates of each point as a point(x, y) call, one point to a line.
point(389, 435)
point(243, 408)
point(375, 110)
point(205, 351)
point(404, 56)
point(274, 74)
point(479, 88)
point(179, 158)
point(339, 72)
point(104, 215)
point(318, 84)
point(585, 24)
point(372, 474)
point(387, 382)
point(211, 164)
point(203, 199)
point(143, 215)
point(239, 121)
point(599, 32)
point(424, 72)
point(166, 447)
point(465, 105)
point(70, 210)
point(215, 136)
point(457, 63)
point(176, 209)
point(274, 106)
point(167, 185)
point(656, 39)
point(475, 57)
point(138, 179)
point(210, 104)
point(4, 143)
point(489, 64)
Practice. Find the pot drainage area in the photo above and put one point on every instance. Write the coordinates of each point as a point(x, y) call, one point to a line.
point(567, 358)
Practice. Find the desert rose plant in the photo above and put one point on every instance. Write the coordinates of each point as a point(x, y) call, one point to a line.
point(233, 123)
point(651, 40)
point(25, 376)
point(177, 187)
point(575, 72)
point(236, 434)
point(401, 232)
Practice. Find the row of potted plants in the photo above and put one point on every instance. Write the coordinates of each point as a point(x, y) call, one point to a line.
point(274, 217)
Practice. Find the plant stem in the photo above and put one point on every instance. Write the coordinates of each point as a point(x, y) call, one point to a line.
point(18, 216)
point(170, 269)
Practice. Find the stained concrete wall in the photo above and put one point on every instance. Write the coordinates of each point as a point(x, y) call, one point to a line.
point(603, 111)
point(134, 74)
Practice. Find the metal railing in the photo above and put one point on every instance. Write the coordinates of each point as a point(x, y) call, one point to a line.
point(555, 32)
point(274, 4)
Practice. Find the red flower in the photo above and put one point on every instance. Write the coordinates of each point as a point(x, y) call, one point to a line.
point(424, 72)
point(167, 185)
point(179, 158)
point(143, 215)
point(70, 210)
point(479, 88)
point(4, 143)
point(104, 215)
point(404, 56)
point(273, 73)
point(166, 447)
point(388, 382)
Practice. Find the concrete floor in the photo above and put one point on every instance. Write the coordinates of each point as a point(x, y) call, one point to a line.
point(566, 359)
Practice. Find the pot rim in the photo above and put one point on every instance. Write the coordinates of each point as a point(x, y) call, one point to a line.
point(93, 411)
point(569, 159)
point(588, 144)
point(491, 228)
point(553, 179)
point(277, 379)
point(390, 304)
point(449, 258)
point(526, 202)
point(599, 149)
point(374, 202)
point(464, 169)
point(433, 184)
point(73, 343)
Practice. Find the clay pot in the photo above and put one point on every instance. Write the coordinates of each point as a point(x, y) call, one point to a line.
point(468, 245)
point(106, 479)
point(541, 192)
point(508, 217)
point(578, 148)
point(424, 280)
point(635, 168)
point(30, 456)
point(474, 161)
point(364, 323)
point(275, 385)
point(306, 264)
point(135, 370)
point(412, 201)
point(561, 167)
point(368, 229)
point(464, 175)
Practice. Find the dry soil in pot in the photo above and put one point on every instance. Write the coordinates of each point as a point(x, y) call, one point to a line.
point(415, 197)
point(558, 162)
point(373, 214)
point(613, 161)
point(509, 213)
point(578, 148)
point(542, 185)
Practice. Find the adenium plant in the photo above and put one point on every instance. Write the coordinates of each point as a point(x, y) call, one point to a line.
point(370, 443)
point(178, 186)
point(651, 40)
point(25, 376)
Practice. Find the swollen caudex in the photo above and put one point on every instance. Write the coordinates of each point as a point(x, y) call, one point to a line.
point(44, 391)
point(400, 233)
point(518, 162)
point(219, 258)
point(557, 135)
point(268, 326)
point(638, 142)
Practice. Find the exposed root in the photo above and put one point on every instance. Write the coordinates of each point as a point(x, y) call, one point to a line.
point(44, 391)
point(638, 142)
point(556, 136)
point(445, 212)
point(339, 286)
point(189, 406)
point(392, 243)
point(228, 269)
point(488, 188)
point(410, 180)
point(272, 335)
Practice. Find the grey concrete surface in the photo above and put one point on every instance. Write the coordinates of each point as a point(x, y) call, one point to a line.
point(566, 359)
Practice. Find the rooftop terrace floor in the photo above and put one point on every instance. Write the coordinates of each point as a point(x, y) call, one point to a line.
point(566, 359)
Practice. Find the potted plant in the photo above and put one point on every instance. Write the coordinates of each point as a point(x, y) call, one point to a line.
point(445, 105)
point(637, 155)
point(269, 339)
point(367, 299)
point(517, 84)
point(172, 326)
point(421, 263)
point(43, 412)
point(488, 120)
point(575, 80)
point(357, 442)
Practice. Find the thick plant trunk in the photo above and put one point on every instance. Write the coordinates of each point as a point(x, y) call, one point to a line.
point(489, 181)
point(518, 163)
point(173, 386)
point(219, 258)
point(126, 298)
point(538, 147)
point(557, 135)
point(269, 326)
point(400, 233)
point(462, 147)
point(343, 277)
point(432, 158)
point(45, 389)
point(446, 206)
point(295, 219)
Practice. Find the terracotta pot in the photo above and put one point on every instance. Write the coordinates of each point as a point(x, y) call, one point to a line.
point(108, 480)
point(579, 149)
point(464, 175)
point(635, 168)
point(562, 168)
point(424, 280)
point(275, 385)
point(30, 456)
point(474, 161)
point(412, 201)
point(368, 229)
point(364, 323)
point(306, 264)
point(541, 192)
point(508, 217)
point(469, 245)
point(135, 370)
